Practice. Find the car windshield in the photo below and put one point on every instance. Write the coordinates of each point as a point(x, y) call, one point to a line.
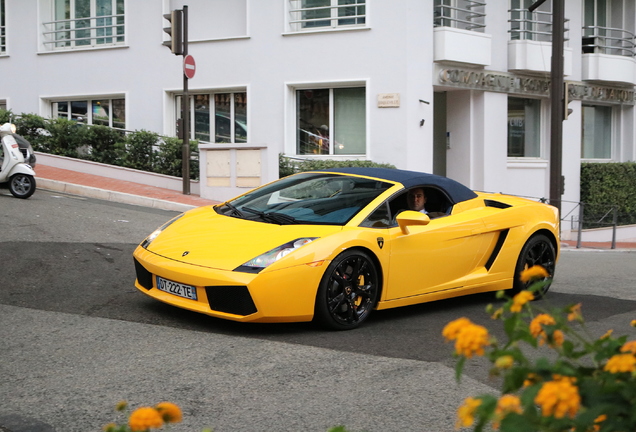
point(308, 198)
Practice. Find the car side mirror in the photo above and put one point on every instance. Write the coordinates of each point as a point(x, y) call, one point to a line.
point(409, 218)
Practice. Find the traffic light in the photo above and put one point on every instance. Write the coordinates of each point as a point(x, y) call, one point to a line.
point(175, 18)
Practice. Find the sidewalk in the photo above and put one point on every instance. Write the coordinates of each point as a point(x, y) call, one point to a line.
point(93, 186)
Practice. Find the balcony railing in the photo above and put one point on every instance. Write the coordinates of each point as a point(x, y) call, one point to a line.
point(84, 32)
point(605, 40)
point(332, 16)
point(3, 40)
point(467, 15)
point(535, 26)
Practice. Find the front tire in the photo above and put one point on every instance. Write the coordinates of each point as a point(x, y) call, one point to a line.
point(538, 250)
point(348, 291)
point(22, 185)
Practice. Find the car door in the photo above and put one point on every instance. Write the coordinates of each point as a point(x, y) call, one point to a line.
point(435, 257)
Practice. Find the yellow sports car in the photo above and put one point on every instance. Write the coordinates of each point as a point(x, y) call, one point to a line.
point(334, 245)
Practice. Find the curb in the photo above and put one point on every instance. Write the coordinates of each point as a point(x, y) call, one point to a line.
point(102, 194)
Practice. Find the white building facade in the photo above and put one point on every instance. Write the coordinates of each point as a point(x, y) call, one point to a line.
point(454, 87)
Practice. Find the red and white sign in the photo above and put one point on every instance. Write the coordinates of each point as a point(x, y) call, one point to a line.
point(189, 67)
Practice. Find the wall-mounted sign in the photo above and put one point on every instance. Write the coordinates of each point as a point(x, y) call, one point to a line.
point(388, 100)
point(538, 86)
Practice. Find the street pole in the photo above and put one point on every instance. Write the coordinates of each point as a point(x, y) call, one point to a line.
point(556, 101)
point(185, 109)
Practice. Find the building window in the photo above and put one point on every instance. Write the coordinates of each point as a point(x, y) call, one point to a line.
point(331, 121)
point(524, 126)
point(3, 105)
point(217, 117)
point(606, 27)
point(3, 36)
point(320, 14)
point(462, 14)
point(526, 25)
point(85, 23)
point(105, 112)
point(597, 132)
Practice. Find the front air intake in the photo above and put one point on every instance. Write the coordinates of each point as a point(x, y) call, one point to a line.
point(144, 277)
point(230, 299)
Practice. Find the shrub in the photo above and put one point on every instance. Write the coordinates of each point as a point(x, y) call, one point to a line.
point(607, 185)
point(104, 145)
point(170, 156)
point(140, 150)
point(6, 116)
point(64, 138)
point(287, 166)
point(583, 384)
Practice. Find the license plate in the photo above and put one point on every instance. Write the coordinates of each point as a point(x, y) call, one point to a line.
point(181, 290)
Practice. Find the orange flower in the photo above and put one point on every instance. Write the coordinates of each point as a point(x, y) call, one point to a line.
point(170, 413)
point(531, 380)
point(597, 420)
point(471, 340)
point(629, 347)
point(536, 327)
point(532, 273)
point(633, 323)
point(452, 329)
point(497, 314)
point(521, 299)
point(506, 405)
point(557, 339)
point(559, 398)
point(466, 412)
point(621, 363)
point(144, 418)
point(574, 314)
point(607, 334)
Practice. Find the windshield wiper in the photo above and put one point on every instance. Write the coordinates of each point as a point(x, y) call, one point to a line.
point(233, 210)
point(278, 218)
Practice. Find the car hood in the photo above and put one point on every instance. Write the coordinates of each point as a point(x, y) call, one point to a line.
point(204, 238)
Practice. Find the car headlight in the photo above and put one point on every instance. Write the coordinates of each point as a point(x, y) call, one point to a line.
point(158, 231)
point(271, 256)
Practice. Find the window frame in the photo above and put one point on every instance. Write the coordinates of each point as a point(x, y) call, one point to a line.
point(177, 100)
point(612, 132)
point(295, 22)
point(3, 28)
point(540, 133)
point(292, 118)
point(90, 101)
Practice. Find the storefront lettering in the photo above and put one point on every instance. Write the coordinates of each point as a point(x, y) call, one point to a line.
point(508, 83)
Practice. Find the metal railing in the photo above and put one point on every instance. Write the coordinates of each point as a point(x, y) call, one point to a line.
point(606, 40)
point(84, 32)
point(469, 17)
point(332, 16)
point(535, 26)
point(3, 39)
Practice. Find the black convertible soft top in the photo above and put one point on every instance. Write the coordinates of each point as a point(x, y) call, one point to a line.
point(456, 191)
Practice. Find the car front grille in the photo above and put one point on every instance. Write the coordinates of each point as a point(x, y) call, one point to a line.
point(230, 299)
point(144, 277)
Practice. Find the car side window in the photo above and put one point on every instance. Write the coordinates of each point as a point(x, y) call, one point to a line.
point(380, 218)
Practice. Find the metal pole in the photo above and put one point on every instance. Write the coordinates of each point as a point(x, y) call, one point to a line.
point(578, 238)
point(185, 107)
point(614, 223)
point(556, 96)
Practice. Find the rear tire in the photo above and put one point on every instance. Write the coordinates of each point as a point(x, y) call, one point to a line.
point(348, 291)
point(22, 185)
point(538, 250)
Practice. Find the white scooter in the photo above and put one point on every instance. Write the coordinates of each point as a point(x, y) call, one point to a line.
point(14, 172)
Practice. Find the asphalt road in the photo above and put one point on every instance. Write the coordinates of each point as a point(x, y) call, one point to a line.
point(77, 337)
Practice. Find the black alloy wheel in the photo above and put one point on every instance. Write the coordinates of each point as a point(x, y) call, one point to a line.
point(348, 291)
point(538, 250)
point(22, 185)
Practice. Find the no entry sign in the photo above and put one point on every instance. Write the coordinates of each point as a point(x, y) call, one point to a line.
point(189, 67)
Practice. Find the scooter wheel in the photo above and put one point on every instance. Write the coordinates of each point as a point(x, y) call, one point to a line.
point(22, 185)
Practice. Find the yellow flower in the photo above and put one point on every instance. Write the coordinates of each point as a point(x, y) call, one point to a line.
point(536, 326)
point(621, 363)
point(121, 406)
point(505, 362)
point(497, 314)
point(506, 405)
point(597, 420)
point(629, 347)
point(532, 273)
point(559, 398)
point(471, 340)
point(607, 334)
point(466, 412)
point(452, 328)
point(144, 418)
point(557, 339)
point(170, 412)
point(574, 314)
point(521, 299)
point(633, 323)
point(531, 380)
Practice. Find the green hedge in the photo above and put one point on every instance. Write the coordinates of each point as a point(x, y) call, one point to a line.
point(607, 185)
point(287, 166)
point(140, 150)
